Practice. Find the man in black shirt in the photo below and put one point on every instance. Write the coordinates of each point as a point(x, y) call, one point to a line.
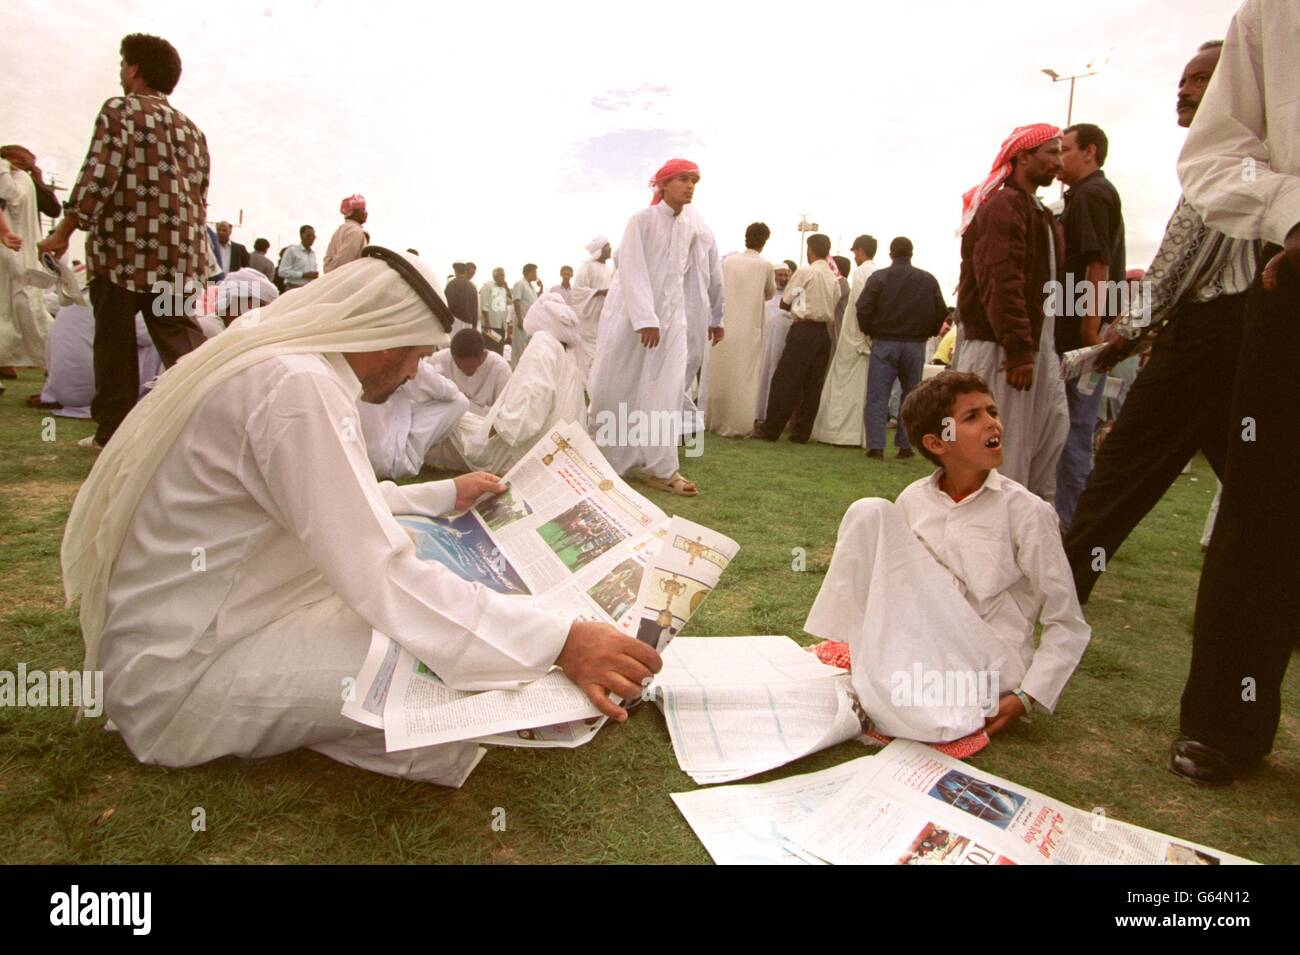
point(899, 308)
point(462, 297)
point(1093, 277)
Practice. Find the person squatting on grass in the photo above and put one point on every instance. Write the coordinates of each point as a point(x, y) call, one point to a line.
point(953, 577)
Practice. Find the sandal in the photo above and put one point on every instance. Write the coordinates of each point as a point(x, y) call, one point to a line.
point(674, 485)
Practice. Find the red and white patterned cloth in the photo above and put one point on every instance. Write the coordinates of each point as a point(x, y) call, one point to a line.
point(1021, 139)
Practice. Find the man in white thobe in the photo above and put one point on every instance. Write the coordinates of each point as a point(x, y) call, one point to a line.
point(523, 294)
point(480, 374)
point(590, 286)
point(401, 431)
point(844, 393)
point(350, 237)
point(776, 325)
point(636, 392)
point(704, 315)
point(494, 306)
point(228, 614)
point(24, 320)
point(734, 363)
point(70, 362)
point(544, 391)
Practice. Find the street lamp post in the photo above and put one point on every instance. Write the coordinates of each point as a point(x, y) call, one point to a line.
point(1092, 69)
point(804, 228)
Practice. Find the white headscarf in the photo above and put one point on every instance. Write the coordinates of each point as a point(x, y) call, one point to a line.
point(360, 307)
point(551, 314)
point(242, 285)
point(596, 244)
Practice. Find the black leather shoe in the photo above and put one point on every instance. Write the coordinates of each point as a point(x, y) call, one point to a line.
point(876, 454)
point(1199, 763)
point(905, 453)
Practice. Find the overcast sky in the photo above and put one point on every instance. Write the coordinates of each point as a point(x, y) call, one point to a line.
point(509, 132)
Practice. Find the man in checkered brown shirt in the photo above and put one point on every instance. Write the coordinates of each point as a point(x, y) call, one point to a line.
point(141, 195)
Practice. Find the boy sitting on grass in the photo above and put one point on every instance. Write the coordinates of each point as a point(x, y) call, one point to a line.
point(937, 595)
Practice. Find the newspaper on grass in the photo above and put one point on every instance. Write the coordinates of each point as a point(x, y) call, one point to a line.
point(741, 825)
point(910, 805)
point(568, 534)
point(738, 706)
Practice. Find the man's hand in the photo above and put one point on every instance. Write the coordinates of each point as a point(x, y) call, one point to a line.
point(54, 244)
point(1290, 255)
point(1020, 377)
point(470, 487)
point(308, 276)
point(1117, 349)
point(715, 335)
point(601, 661)
point(12, 240)
point(650, 337)
point(1010, 709)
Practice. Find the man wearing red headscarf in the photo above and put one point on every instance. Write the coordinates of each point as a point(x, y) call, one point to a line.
point(636, 380)
point(349, 238)
point(1011, 252)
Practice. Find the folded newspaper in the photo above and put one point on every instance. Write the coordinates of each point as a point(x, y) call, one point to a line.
point(573, 537)
point(909, 805)
point(738, 706)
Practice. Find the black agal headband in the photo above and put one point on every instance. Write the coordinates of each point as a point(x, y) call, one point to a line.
point(414, 279)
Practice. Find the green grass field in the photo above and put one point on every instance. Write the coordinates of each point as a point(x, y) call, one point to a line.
point(71, 792)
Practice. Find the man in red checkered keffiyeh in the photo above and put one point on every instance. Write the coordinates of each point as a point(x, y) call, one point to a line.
point(1022, 139)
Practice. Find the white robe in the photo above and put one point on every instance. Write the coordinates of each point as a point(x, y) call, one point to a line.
point(592, 277)
point(636, 394)
point(953, 588)
point(844, 392)
point(734, 363)
point(524, 293)
point(703, 293)
point(70, 360)
point(246, 594)
point(776, 325)
point(483, 387)
point(1037, 421)
point(545, 390)
point(400, 432)
point(24, 320)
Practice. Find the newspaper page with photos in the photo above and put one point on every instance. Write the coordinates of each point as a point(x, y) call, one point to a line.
point(738, 706)
point(741, 824)
point(911, 805)
point(689, 561)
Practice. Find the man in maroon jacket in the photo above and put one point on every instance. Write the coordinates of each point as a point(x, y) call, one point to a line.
point(1011, 253)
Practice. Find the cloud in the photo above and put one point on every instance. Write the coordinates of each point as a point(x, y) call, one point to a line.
point(646, 98)
point(621, 157)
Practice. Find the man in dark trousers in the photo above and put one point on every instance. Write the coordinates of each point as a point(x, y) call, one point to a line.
point(810, 296)
point(899, 309)
point(143, 264)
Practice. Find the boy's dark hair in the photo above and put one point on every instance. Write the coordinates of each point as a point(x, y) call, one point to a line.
point(304, 228)
point(261, 245)
point(1086, 134)
point(756, 235)
point(157, 60)
point(528, 266)
point(843, 265)
point(819, 245)
point(931, 401)
point(458, 268)
point(467, 343)
point(868, 245)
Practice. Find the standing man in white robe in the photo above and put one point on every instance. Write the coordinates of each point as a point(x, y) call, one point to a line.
point(525, 292)
point(748, 283)
point(704, 305)
point(844, 393)
point(636, 394)
point(590, 286)
point(349, 238)
point(494, 305)
point(776, 325)
point(228, 613)
point(544, 391)
point(24, 320)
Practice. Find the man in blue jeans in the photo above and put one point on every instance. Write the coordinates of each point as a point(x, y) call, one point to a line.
point(900, 307)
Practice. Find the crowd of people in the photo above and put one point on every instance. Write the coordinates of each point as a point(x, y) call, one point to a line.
point(648, 343)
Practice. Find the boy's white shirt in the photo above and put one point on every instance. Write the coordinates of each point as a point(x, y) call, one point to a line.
point(1002, 545)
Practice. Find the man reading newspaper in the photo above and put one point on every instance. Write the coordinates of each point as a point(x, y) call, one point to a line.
point(937, 595)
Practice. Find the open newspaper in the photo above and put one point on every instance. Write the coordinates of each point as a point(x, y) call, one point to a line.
point(575, 538)
point(737, 706)
point(910, 805)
